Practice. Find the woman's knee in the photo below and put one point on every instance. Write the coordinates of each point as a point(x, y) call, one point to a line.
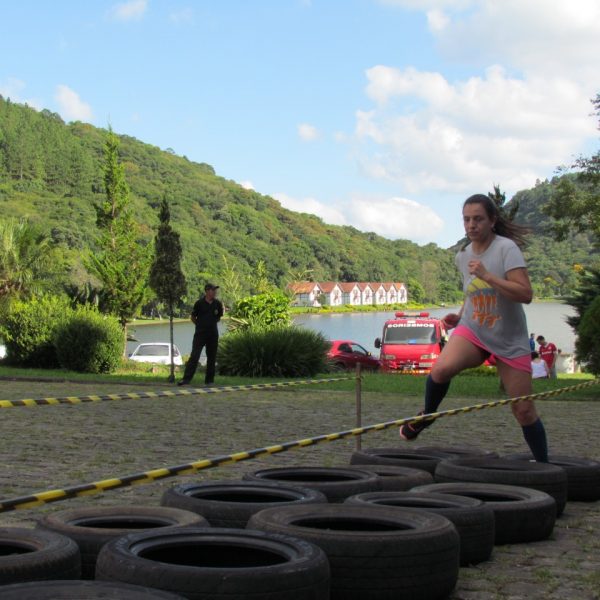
point(442, 373)
point(525, 412)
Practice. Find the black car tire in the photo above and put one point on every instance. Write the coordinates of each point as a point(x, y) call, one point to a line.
point(375, 554)
point(521, 514)
point(336, 483)
point(214, 564)
point(81, 590)
point(538, 476)
point(461, 451)
point(91, 527)
point(400, 457)
point(230, 503)
point(396, 479)
point(32, 555)
point(583, 475)
point(473, 519)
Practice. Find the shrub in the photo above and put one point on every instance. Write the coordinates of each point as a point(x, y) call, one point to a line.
point(28, 329)
point(587, 344)
point(283, 351)
point(89, 342)
point(261, 310)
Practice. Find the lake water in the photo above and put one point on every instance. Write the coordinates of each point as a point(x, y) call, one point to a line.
point(547, 319)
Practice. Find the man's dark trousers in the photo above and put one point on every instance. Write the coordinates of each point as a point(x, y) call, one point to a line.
point(202, 339)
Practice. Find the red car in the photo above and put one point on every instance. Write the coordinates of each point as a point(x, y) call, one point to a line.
point(345, 354)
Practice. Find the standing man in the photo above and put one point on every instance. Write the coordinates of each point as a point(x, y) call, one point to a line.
point(532, 341)
point(207, 312)
point(548, 353)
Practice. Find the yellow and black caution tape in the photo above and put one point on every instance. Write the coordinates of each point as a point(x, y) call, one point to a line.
point(96, 487)
point(185, 391)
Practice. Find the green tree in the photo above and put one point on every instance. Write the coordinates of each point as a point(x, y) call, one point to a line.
point(588, 289)
point(231, 282)
point(166, 277)
point(575, 206)
point(262, 285)
point(416, 292)
point(499, 198)
point(575, 202)
point(587, 345)
point(28, 328)
point(430, 278)
point(122, 261)
point(261, 311)
point(26, 260)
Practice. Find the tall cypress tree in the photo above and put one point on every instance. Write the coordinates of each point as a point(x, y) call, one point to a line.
point(166, 277)
point(122, 261)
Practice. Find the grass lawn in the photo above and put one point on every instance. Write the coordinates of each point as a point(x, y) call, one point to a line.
point(475, 384)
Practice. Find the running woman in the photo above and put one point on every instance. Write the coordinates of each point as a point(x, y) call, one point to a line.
point(491, 321)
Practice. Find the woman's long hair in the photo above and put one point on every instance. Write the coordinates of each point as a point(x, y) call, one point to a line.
point(502, 226)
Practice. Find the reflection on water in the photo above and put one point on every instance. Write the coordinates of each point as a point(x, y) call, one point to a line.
point(547, 319)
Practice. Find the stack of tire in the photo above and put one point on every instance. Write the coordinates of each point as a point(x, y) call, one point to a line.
point(395, 523)
point(526, 497)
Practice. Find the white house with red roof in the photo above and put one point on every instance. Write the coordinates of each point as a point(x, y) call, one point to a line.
point(332, 292)
point(402, 293)
point(306, 293)
point(351, 293)
point(391, 294)
point(395, 292)
point(366, 292)
point(361, 293)
point(379, 293)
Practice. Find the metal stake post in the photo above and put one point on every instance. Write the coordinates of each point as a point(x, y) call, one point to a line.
point(358, 405)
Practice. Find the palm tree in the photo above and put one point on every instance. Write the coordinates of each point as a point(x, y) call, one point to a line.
point(25, 260)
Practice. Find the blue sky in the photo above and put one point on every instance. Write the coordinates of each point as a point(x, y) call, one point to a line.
point(381, 114)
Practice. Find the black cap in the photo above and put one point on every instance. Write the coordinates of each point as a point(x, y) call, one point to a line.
point(210, 286)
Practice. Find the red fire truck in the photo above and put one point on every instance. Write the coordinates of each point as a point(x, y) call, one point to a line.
point(411, 342)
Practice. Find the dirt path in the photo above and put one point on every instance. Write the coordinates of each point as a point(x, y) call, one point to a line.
point(52, 447)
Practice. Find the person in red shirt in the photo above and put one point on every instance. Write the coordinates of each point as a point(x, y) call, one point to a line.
point(548, 353)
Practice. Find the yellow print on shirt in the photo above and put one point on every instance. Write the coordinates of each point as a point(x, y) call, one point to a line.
point(485, 302)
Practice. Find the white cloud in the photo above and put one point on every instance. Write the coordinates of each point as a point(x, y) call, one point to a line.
point(308, 133)
point(525, 111)
point(185, 15)
point(542, 37)
point(425, 5)
point(393, 218)
point(133, 10)
point(437, 20)
point(12, 88)
point(247, 185)
point(311, 206)
point(71, 106)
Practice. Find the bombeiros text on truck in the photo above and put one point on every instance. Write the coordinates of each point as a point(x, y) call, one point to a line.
point(411, 342)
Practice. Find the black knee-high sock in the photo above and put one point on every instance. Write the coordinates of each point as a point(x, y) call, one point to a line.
point(535, 436)
point(434, 394)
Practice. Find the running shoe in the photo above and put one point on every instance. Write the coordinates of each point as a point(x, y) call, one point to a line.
point(410, 431)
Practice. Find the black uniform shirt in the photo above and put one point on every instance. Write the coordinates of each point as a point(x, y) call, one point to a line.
point(207, 314)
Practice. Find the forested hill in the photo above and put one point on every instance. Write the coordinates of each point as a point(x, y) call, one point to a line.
point(552, 265)
point(51, 174)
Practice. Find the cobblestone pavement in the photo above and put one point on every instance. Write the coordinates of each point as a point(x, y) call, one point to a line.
point(57, 446)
